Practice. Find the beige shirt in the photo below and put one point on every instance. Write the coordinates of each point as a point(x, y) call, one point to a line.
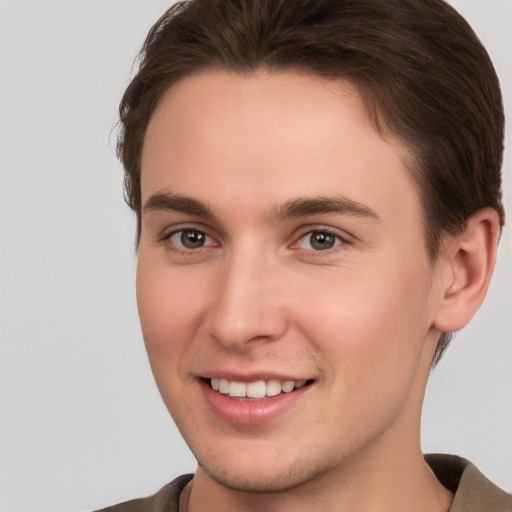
point(473, 491)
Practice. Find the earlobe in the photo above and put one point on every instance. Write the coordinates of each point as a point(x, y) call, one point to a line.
point(468, 262)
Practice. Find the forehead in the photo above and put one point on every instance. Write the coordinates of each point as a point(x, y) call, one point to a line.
point(238, 139)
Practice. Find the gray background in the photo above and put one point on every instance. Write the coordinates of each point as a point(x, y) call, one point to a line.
point(82, 425)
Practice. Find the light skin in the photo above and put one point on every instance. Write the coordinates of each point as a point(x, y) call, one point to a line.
point(282, 238)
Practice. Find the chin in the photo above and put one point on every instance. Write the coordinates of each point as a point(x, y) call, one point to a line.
point(273, 477)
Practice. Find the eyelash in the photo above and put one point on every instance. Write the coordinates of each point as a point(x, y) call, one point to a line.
point(168, 237)
point(339, 240)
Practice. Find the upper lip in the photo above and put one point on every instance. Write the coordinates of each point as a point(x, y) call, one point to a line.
point(251, 377)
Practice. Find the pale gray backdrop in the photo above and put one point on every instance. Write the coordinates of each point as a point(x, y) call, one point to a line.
point(82, 425)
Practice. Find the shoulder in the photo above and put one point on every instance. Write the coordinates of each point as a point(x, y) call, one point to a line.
point(473, 491)
point(166, 499)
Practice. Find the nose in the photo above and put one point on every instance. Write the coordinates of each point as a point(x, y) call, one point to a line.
point(247, 304)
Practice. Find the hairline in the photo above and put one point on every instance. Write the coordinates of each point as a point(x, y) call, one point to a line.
point(373, 113)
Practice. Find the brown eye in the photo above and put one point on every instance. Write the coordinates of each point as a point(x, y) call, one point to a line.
point(322, 241)
point(190, 239)
point(319, 241)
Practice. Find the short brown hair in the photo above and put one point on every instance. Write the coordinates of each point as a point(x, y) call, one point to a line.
point(420, 68)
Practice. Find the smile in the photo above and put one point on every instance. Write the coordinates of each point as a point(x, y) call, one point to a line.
point(253, 402)
point(255, 390)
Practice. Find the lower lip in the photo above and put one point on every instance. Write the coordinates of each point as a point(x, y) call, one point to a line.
point(251, 412)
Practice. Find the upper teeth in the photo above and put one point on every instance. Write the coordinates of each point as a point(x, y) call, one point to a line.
point(256, 389)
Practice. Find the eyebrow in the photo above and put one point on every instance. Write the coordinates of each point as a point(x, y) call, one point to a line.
point(164, 201)
point(304, 206)
point(298, 207)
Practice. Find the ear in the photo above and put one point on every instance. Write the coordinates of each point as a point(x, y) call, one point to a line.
point(468, 261)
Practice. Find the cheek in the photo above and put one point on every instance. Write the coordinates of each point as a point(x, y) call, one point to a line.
point(170, 304)
point(368, 326)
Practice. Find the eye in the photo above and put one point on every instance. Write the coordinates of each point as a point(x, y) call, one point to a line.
point(319, 241)
point(190, 239)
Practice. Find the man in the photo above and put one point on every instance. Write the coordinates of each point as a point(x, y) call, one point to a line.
point(317, 187)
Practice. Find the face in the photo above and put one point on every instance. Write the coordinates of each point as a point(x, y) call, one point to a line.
point(284, 289)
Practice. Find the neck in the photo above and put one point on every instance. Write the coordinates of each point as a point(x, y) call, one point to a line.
point(390, 483)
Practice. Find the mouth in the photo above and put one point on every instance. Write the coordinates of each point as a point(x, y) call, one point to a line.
point(256, 390)
point(243, 401)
